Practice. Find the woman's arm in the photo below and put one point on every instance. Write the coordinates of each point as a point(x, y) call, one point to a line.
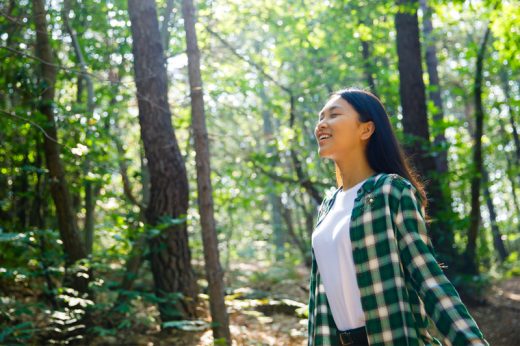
point(441, 300)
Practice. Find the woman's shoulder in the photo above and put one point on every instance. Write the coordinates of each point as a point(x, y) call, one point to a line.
point(394, 180)
point(394, 184)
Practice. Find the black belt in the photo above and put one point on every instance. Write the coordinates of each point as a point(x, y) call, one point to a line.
point(356, 336)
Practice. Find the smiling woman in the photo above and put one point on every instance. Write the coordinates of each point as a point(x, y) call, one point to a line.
point(374, 277)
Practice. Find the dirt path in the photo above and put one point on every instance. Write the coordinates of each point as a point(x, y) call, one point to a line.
point(499, 321)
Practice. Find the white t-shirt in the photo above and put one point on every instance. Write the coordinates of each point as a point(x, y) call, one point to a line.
point(333, 252)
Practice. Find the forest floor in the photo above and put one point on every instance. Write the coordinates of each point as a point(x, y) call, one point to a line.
point(499, 320)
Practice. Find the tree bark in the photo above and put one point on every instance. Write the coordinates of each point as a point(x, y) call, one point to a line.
point(270, 149)
point(504, 78)
point(470, 252)
point(444, 238)
point(411, 86)
point(441, 159)
point(91, 189)
point(497, 236)
point(511, 168)
point(73, 246)
point(169, 250)
point(205, 199)
point(415, 125)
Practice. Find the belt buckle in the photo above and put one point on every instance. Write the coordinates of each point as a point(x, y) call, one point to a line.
point(348, 339)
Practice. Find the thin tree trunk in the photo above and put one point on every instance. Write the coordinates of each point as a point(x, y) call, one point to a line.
point(169, 250)
point(444, 239)
point(497, 236)
point(21, 186)
point(270, 149)
point(165, 33)
point(303, 179)
point(205, 198)
point(441, 159)
point(367, 66)
point(289, 223)
point(72, 243)
point(91, 189)
point(510, 169)
point(470, 252)
point(507, 92)
point(37, 220)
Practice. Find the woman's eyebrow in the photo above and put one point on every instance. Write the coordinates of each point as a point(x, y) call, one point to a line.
point(330, 109)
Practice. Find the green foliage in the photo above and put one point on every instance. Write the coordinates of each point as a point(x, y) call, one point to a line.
point(274, 275)
point(17, 334)
point(510, 265)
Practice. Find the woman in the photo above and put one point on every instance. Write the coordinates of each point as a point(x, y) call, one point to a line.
point(374, 276)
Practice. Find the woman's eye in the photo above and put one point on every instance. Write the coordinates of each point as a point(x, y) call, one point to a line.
point(332, 115)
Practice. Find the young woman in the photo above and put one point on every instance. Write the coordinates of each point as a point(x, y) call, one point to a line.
point(374, 278)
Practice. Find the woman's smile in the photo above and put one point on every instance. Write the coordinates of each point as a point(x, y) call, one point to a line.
point(324, 138)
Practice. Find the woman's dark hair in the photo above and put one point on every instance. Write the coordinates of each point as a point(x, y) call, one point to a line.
point(384, 152)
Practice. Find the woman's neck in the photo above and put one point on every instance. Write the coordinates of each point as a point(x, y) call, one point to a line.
point(353, 174)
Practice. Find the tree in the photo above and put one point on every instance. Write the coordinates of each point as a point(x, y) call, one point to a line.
point(169, 249)
point(205, 191)
point(72, 244)
point(415, 122)
point(471, 264)
point(444, 239)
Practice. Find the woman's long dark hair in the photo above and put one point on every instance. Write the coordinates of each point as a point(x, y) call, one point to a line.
point(384, 152)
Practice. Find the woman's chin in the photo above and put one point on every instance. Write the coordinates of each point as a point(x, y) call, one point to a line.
point(325, 154)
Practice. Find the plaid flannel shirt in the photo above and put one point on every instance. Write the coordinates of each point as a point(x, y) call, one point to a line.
point(399, 279)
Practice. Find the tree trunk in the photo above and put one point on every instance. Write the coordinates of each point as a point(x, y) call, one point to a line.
point(303, 179)
point(504, 78)
point(37, 221)
point(205, 199)
point(91, 189)
point(497, 236)
point(415, 125)
point(510, 170)
point(367, 66)
point(441, 159)
point(470, 252)
point(73, 246)
point(290, 225)
point(411, 86)
point(444, 238)
point(169, 250)
point(270, 149)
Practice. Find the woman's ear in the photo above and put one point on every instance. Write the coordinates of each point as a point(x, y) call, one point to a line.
point(368, 128)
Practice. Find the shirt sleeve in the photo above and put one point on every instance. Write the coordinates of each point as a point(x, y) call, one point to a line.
point(440, 298)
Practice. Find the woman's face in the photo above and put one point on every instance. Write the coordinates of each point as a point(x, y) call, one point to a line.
point(339, 131)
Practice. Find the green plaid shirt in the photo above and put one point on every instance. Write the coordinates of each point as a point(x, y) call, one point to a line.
point(400, 281)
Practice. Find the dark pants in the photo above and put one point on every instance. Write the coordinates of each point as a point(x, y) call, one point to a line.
point(353, 337)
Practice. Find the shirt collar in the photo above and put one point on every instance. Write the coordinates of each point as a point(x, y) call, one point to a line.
point(368, 185)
